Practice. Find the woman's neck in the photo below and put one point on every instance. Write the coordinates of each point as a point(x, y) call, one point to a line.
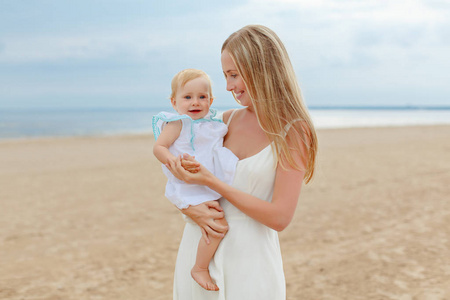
point(250, 109)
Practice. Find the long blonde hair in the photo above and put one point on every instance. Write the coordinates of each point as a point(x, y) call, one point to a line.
point(265, 67)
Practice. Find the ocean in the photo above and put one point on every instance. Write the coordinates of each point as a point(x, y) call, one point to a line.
point(36, 123)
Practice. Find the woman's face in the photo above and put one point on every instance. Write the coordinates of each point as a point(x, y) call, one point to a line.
point(235, 83)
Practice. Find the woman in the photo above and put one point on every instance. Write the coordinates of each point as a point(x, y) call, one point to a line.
point(276, 144)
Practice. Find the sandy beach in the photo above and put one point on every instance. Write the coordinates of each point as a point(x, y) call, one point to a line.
point(86, 218)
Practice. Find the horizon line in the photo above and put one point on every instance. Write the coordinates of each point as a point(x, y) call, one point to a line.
point(330, 107)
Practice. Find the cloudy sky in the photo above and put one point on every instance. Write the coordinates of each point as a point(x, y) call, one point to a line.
point(124, 53)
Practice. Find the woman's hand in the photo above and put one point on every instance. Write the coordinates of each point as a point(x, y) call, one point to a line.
point(204, 215)
point(202, 176)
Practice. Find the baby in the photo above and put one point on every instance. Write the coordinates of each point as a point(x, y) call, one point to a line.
point(195, 130)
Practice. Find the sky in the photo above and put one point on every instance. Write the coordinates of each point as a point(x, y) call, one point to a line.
point(124, 53)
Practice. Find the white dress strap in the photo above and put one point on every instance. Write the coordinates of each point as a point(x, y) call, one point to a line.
point(289, 125)
point(231, 116)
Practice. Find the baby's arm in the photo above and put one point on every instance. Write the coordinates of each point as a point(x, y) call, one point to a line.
point(169, 133)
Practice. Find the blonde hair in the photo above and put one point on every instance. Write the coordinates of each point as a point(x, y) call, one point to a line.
point(181, 78)
point(262, 61)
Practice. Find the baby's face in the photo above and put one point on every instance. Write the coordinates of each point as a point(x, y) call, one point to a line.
point(193, 99)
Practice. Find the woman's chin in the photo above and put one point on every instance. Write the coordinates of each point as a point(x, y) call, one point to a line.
point(245, 102)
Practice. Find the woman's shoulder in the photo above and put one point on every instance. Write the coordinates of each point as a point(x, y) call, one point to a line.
point(228, 115)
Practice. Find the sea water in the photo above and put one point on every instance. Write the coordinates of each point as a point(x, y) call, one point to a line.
point(33, 123)
point(378, 117)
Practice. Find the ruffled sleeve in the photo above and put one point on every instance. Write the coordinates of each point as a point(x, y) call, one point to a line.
point(159, 120)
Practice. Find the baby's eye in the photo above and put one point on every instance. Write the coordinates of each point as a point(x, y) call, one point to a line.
point(202, 97)
point(187, 97)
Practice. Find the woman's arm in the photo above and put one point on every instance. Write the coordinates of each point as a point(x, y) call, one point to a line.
point(276, 214)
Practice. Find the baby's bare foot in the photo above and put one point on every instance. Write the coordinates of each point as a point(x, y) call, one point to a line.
point(202, 277)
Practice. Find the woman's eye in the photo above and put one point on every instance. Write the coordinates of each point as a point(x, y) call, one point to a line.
point(234, 75)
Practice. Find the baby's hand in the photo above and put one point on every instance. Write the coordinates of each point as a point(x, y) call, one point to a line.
point(189, 164)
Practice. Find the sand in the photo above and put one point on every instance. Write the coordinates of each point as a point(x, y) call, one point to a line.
point(85, 218)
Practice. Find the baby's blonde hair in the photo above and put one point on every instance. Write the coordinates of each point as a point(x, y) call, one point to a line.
point(262, 61)
point(181, 78)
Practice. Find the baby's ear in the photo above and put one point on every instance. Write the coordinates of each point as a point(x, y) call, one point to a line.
point(211, 101)
point(174, 102)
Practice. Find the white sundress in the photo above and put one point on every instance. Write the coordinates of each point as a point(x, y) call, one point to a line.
point(202, 138)
point(247, 264)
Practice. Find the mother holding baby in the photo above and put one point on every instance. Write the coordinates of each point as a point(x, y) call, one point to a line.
point(275, 141)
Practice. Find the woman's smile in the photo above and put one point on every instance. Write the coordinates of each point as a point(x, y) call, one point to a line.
point(235, 82)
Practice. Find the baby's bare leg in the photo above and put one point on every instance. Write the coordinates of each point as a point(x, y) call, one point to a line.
point(205, 253)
